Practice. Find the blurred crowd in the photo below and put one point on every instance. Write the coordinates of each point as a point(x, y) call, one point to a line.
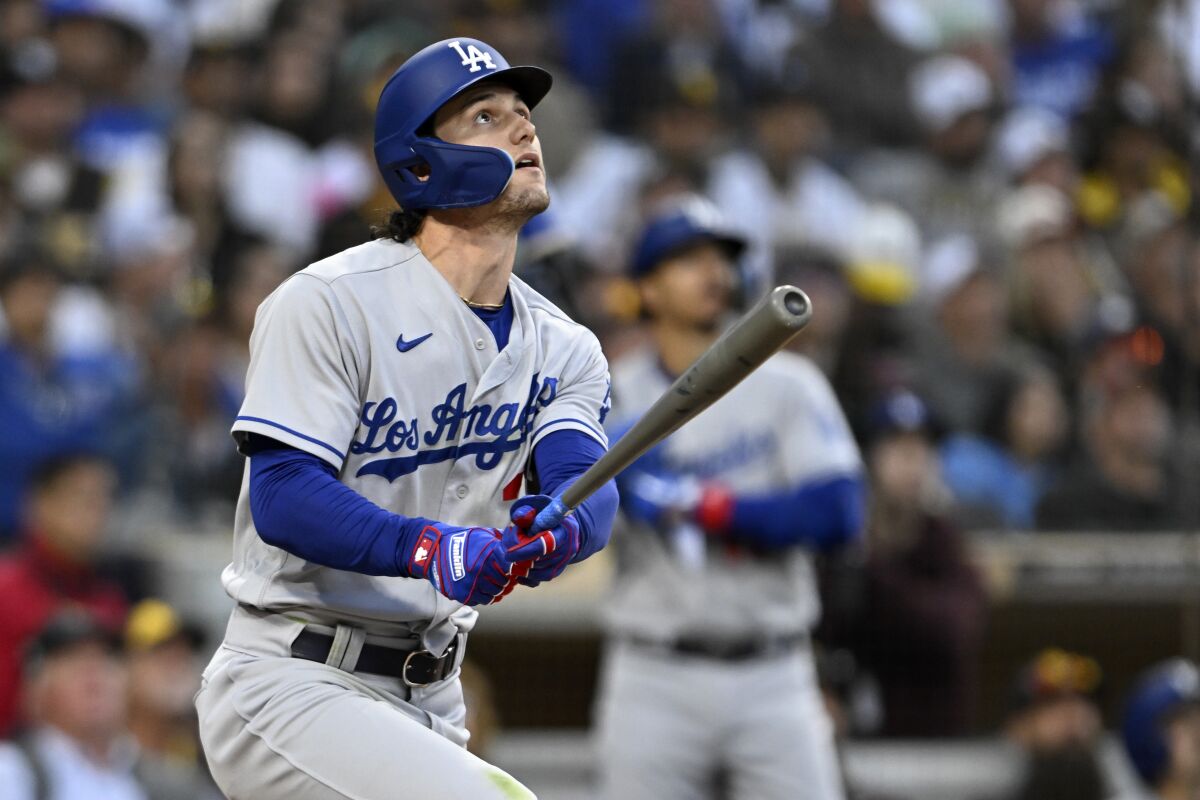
point(990, 203)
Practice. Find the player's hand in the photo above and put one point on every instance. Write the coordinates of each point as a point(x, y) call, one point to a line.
point(470, 565)
point(561, 543)
point(658, 498)
point(662, 499)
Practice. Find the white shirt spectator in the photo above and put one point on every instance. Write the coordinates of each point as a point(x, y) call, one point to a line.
point(70, 774)
point(817, 207)
point(597, 200)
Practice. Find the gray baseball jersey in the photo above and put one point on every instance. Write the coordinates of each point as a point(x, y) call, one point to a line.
point(370, 361)
point(780, 428)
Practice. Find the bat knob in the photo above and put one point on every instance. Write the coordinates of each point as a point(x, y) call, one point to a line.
point(796, 302)
point(790, 306)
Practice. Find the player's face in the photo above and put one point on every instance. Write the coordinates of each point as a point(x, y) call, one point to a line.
point(692, 288)
point(491, 114)
point(81, 691)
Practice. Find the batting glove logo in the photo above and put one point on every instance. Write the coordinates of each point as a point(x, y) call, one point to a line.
point(458, 545)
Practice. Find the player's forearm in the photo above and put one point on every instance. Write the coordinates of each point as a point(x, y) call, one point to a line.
point(559, 459)
point(300, 506)
point(825, 514)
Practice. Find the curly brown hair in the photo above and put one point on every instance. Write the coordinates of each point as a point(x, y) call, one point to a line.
point(401, 225)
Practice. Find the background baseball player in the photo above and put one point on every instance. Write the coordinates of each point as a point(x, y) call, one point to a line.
point(1161, 729)
point(709, 678)
point(399, 394)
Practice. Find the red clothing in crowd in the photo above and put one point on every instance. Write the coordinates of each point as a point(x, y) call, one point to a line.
point(35, 583)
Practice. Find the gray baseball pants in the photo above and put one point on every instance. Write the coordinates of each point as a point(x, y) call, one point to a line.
point(679, 727)
point(275, 727)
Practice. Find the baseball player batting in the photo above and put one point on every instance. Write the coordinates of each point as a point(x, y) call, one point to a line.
point(708, 688)
point(406, 401)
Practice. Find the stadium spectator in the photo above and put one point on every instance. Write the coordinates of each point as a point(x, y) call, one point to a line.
point(1033, 146)
point(947, 184)
point(1122, 479)
point(1058, 52)
point(105, 48)
point(684, 49)
point(217, 78)
point(202, 383)
point(1061, 288)
point(1161, 729)
point(1163, 265)
point(780, 192)
point(77, 747)
point(861, 70)
point(56, 194)
point(918, 625)
point(163, 653)
point(965, 350)
point(1133, 157)
point(1055, 720)
point(877, 352)
point(67, 512)
point(54, 398)
point(998, 476)
point(616, 180)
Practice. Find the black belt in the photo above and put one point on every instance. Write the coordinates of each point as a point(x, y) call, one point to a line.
point(416, 668)
point(722, 649)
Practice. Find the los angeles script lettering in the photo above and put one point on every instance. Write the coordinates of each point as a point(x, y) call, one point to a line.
point(496, 430)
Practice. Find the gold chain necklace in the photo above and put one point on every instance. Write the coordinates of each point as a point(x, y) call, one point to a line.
point(485, 306)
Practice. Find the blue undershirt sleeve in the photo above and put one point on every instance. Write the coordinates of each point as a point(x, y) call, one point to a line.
point(300, 506)
point(823, 514)
point(559, 459)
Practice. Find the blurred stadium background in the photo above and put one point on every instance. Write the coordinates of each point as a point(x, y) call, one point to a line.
point(991, 203)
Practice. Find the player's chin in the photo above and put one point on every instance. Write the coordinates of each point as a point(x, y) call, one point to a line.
point(531, 199)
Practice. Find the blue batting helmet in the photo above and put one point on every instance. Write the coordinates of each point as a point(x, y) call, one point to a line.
point(691, 221)
point(459, 175)
point(1160, 692)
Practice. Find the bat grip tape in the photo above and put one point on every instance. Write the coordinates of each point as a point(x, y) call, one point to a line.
point(550, 516)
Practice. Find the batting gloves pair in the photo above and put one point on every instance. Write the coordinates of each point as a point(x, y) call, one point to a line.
point(471, 565)
point(479, 566)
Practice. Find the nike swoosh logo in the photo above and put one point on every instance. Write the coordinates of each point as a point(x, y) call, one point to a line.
point(404, 346)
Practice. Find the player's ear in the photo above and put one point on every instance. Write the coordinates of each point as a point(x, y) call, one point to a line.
point(649, 292)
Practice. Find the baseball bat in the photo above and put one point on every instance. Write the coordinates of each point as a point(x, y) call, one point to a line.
point(754, 338)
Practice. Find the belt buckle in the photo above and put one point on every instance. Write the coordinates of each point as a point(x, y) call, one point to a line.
point(404, 671)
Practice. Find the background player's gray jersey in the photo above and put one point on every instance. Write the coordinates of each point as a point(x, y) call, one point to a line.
point(370, 361)
point(778, 429)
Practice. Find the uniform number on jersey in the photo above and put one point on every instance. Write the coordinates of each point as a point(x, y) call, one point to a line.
point(472, 56)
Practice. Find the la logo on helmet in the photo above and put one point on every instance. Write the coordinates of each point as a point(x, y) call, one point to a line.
point(472, 56)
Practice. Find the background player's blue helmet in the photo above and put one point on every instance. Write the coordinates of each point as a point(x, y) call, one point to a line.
point(685, 224)
point(1160, 692)
point(459, 175)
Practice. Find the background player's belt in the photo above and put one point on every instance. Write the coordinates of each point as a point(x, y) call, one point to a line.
point(722, 649)
point(416, 668)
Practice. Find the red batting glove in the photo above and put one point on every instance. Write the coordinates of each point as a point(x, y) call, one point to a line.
point(714, 509)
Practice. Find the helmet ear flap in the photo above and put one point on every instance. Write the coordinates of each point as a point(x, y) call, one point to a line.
point(460, 176)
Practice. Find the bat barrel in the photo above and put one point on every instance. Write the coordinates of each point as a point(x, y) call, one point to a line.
point(754, 338)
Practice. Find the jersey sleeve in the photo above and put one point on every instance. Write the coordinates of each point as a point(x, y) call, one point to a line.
point(818, 442)
point(301, 387)
point(583, 396)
